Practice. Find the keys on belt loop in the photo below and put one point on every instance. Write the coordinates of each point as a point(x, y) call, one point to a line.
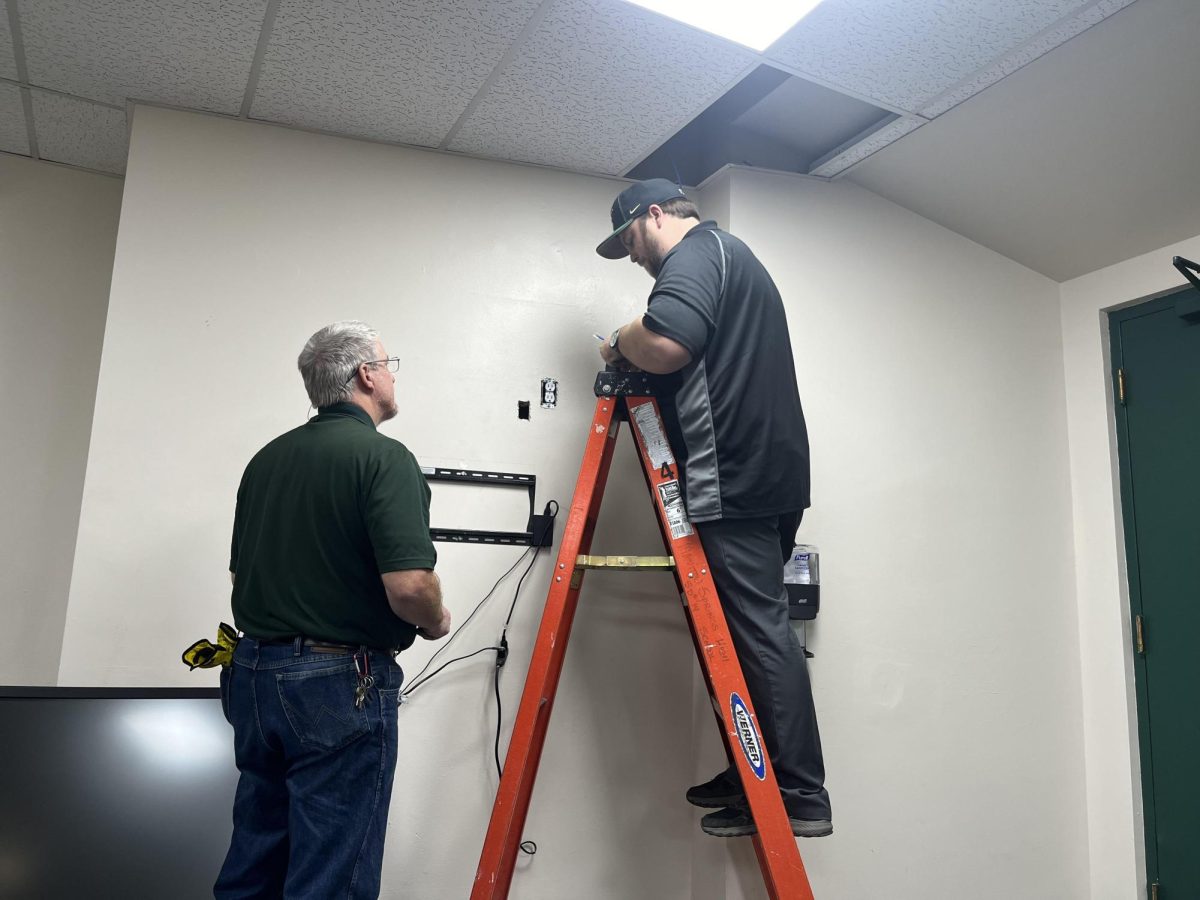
point(362, 665)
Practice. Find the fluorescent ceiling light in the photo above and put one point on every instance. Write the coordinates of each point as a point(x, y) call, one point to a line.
point(754, 23)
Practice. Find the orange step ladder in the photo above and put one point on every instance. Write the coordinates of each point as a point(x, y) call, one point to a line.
point(630, 397)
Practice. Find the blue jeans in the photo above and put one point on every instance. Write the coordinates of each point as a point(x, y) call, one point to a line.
point(311, 807)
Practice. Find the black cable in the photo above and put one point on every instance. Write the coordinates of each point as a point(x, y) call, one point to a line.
point(527, 847)
point(496, 684)
point(551, 511)
point(502, 650)
point(540, 539)
point(416, 684)
point(417, 678)
point(512, 606)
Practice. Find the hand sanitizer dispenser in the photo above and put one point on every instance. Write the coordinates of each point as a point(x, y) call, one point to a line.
point(802, 578)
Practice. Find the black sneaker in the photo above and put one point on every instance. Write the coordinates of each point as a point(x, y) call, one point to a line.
point(724, 790)
point(735, 821)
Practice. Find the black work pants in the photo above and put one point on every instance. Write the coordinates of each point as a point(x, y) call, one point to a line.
point(746, 557)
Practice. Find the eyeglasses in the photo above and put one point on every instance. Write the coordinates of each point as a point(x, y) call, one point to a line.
point(393, 365)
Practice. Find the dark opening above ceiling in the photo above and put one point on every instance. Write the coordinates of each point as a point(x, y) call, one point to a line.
point(771, 120)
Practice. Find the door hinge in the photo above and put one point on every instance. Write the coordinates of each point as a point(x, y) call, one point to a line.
point(1121, 386)
point(1154, 890)
point(1141, 636)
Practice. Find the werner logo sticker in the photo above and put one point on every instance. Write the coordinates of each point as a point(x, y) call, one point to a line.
point(748, 736)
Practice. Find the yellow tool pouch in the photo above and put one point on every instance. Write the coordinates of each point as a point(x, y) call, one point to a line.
point(205, 654)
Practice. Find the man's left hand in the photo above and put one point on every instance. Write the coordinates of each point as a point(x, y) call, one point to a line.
point(653, 352)
point(611, 355)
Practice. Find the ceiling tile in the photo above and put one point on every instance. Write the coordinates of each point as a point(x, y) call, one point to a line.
point(1081, 159)
point(394, 71)
point(597, 86)
point(8, 63)
point(1023, 56)
point(70, 130)
point(907, 52)
point(14, 137)
point(194, 53)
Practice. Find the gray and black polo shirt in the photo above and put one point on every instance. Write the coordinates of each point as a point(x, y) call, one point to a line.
point(321, 511)
point(736, 419)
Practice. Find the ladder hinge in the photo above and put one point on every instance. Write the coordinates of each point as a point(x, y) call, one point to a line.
point(1121, 386)
point(1140, 633)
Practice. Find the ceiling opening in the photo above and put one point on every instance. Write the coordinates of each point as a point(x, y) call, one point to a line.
point(771, 120)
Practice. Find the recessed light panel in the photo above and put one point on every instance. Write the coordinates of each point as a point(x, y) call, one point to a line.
point(753, 23)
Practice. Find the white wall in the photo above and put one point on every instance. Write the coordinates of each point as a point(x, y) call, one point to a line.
point(240, 240)
point(58, 228)
point(945, 673)
point(1115, 817)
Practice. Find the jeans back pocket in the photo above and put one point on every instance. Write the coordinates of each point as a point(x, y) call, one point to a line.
point(319, 704)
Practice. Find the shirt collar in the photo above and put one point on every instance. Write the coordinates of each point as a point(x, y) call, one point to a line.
point(706, 225)
point(346, 410)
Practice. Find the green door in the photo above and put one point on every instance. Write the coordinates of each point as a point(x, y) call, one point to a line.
point(1156, 361)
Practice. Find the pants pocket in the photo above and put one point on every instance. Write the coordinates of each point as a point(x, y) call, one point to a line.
point(319, 704)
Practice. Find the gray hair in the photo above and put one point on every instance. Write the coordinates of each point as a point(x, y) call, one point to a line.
point(331, 358)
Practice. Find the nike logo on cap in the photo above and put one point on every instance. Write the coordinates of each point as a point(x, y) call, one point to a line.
point(635, 209)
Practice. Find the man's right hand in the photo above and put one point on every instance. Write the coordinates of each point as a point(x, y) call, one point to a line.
point(415, 595)
point(438, 631)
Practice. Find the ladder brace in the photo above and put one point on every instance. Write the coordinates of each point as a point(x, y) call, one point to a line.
point(625, 563)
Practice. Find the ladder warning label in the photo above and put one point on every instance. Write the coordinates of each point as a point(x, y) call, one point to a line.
point(748, 736)
point(672, 501)
point(649, 426)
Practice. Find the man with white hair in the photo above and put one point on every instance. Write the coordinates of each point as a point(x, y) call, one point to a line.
point(332, 568)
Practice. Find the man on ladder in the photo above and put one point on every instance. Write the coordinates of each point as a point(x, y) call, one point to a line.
point(715, 320)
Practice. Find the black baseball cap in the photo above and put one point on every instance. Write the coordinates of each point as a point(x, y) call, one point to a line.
point(631, 203)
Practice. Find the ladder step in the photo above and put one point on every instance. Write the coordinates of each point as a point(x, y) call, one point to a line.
point(629, 563)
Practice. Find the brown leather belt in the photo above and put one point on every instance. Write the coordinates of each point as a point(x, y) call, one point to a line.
point(316, 645)
point(321, 646)
point(330, 647)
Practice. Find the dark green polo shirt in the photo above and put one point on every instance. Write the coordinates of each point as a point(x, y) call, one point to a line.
point(321, 511)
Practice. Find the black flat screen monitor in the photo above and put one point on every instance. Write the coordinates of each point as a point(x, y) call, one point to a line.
point(122, 793)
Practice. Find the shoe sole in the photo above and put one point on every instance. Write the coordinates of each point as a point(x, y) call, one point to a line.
point(717, 802)
point(806, 829)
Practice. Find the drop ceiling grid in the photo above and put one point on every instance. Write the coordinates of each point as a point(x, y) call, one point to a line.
point(380, 70)
point(595, 84)
point(190, 53)
point(70, 130)
point(860, 150)
point(14, 138)
point(907, 52)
